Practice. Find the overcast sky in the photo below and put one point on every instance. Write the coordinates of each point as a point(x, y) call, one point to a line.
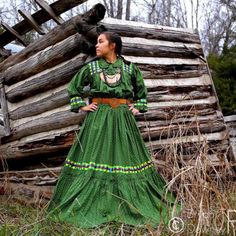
point(138, 8)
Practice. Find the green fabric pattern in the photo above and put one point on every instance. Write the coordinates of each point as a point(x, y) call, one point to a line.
point(108, 174)
point(141, 105)
point(76, 103)
point(131, 87)
point(108, 168)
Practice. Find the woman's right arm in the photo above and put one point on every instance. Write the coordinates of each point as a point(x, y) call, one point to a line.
point(75, 89)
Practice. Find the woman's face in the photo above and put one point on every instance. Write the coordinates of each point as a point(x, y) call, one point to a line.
point(103, 47)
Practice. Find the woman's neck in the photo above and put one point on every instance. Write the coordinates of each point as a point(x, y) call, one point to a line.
point(111, 58)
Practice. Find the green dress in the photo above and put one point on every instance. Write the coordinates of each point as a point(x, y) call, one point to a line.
point(108, 174)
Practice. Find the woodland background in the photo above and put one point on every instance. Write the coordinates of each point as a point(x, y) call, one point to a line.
point(213, 20)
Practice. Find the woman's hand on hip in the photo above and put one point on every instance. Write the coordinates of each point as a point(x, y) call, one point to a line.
point(91, 107)
point(134, 110)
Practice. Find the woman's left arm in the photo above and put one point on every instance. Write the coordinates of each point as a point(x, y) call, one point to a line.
point(139, 89)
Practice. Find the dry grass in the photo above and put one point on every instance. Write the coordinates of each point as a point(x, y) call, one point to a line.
point(206, 188)
point(207, 192)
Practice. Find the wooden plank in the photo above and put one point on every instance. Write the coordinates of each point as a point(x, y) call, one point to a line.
point(14, 33)
point(47, 8)
point(40, 17)
point(56, 35)
point(31, 21)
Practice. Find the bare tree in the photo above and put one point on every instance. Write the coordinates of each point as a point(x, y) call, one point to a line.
point(119, 9)
point(218, 27)
point(127, 13)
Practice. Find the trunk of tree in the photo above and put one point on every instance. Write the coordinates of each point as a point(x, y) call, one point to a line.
point(127, 13)
point(119, 9)
point(112, 14)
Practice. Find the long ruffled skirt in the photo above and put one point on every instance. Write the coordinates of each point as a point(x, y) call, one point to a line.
point(109, 175)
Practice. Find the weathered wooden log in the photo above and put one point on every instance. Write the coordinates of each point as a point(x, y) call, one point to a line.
point(171, 107)
point(65, 118)
point(61, 98)
point(174, 70)
point(156, 48)
point(159, 51)
point(44, 60)
point(132, 29)
point(163, 143)
point(2, 131)
point(4, 110)
point(16, 150)
point(167, 61)
point(170, 73)
point(174, 131)
point(175, 112)
point(54, 121)
point(44, 145)
point(190, 151)
point(76, 43)
point(4, 53)
point(47, 80)
point(50, 102)
point(53, 172)
point(56, 35)
point(185, 103)
point(42, 82)
point(184, 119)
point(186, 82)
point(48, 142)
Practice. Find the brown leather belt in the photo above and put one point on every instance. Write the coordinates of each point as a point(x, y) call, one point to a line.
point(113, 102)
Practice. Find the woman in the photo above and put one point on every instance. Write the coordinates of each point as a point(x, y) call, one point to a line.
point(108, 174)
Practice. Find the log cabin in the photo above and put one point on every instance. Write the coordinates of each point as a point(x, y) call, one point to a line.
point(37, 128)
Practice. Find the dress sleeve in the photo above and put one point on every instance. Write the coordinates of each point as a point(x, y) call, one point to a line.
point(75, 89)
point(140, 90)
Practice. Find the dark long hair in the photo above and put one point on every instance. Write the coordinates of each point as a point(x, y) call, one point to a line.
point(113, 37)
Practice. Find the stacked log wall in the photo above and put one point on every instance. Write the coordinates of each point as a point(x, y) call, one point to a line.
point(183, 105)
point(231, 124)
